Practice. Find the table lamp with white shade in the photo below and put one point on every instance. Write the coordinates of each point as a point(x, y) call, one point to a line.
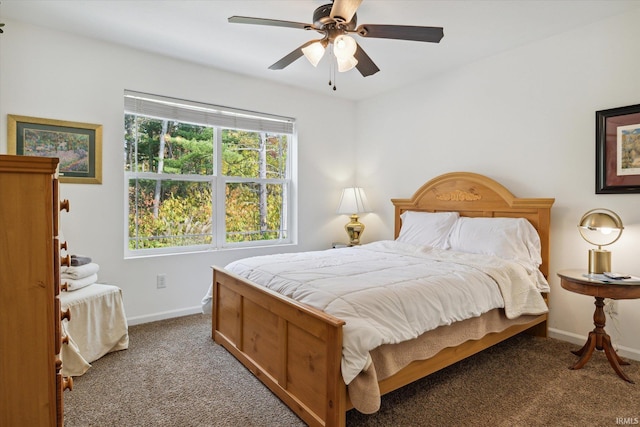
point(352, 202)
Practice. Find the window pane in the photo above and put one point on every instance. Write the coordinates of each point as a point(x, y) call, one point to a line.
point(166, 213)
point(167, 146)
point(254, 154)
point(255, 211)
point(175, 154)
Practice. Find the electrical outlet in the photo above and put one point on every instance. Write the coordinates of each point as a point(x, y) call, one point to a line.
point(611, 307)
point(161, 281)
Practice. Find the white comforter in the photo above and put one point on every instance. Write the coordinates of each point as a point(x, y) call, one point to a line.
point(388, 292)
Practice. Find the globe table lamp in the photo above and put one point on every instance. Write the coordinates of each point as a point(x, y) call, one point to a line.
point(600, 227)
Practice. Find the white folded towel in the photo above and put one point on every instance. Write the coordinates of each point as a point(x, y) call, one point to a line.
point(79, 272)
point(74, 285)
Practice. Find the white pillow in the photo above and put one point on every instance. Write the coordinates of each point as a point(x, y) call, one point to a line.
point(427, 228)
point(508, 238)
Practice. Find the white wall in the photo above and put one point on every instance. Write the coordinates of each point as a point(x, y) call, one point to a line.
point(54, 75)
point(525, 118)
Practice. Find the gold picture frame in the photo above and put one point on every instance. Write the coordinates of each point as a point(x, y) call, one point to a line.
point(77, 145)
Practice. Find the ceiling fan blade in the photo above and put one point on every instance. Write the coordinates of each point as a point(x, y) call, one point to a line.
point(344, 9)
point(291, 57)
point(268, 22)
point(402, 32)
point(365, 64)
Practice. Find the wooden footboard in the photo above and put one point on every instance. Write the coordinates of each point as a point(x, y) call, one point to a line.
point(294, 349)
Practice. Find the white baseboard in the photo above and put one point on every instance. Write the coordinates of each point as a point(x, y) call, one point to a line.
point(137, 320)
point(579, 340)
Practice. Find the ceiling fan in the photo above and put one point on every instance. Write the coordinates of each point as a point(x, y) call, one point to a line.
point(336, 22)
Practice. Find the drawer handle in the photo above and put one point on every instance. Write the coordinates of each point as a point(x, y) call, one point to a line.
point(65, 286)
point(64, 205)
point(65, 315)
point(67, 383)
point(65, 340)
point(66, 261)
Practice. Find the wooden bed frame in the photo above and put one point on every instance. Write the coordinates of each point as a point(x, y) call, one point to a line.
point(296, 350)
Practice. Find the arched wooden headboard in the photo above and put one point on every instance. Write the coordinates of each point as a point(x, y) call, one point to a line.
point(476, 195)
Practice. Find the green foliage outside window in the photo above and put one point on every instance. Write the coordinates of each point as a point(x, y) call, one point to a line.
point(243, 219)
point(172, 202)
point(183, 217)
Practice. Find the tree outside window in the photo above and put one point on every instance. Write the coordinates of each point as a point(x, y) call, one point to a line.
point(182, 175)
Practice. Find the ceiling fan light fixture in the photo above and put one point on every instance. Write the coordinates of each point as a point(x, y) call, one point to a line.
point(337, 21)
point(344, 47)
point(346, 64)
point(314, 52)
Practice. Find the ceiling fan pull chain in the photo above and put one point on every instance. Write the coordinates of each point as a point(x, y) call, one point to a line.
point(332, 69)
point(332, 73)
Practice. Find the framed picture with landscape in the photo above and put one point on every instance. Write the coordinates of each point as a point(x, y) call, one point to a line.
point(618, 150)
point(77, 145)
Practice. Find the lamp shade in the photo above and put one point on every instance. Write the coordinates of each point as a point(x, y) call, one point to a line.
point(346, 64)
point(353, 201)
point(344, 47)
point(600, 227)
point(314, 52)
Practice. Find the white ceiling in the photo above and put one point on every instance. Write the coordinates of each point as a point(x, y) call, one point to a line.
point(198, 31)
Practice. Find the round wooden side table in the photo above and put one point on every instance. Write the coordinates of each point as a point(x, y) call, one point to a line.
point(577, 281)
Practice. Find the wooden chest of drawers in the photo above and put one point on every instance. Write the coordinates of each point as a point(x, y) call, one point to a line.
point(31, 383)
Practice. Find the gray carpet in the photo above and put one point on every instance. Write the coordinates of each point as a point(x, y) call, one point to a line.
point(173, 374)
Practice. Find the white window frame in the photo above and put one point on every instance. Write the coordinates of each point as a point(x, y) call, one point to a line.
point(219, 118)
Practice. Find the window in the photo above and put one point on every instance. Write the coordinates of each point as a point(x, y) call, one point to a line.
point(201, 177)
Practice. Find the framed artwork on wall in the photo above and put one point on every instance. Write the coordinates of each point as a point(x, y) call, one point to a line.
point(618, 150)
point(77, 145)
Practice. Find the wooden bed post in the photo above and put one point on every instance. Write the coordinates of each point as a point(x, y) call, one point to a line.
point(336, 388)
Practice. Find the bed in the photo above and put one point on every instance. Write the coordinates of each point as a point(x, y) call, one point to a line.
point(296, 349)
